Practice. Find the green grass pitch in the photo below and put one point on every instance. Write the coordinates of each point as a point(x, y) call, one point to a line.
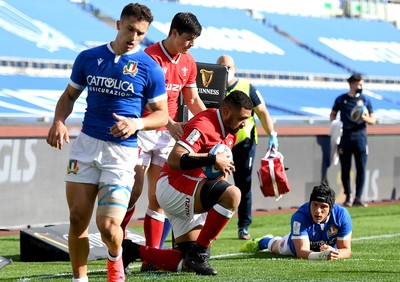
point(375, 257)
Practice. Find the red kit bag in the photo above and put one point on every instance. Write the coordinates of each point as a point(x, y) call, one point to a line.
point(272, 175)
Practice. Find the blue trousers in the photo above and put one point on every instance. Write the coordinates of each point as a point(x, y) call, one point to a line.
point(353, 143)
point(243, 157)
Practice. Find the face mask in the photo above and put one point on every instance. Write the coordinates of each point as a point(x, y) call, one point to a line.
point(359, 90)
point(230, 75)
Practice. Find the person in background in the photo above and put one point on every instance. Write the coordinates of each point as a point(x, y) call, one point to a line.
point(244, 150)
point(172, 54)
point(121, 79)
point(354, 137)
point(320, 230)
point(197, 205)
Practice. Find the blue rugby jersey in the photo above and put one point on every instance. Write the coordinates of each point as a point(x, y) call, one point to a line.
point(116, 84)
point(338, 226)
point(345, 104)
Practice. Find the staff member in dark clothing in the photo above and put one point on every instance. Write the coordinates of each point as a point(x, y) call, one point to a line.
point(354, 136)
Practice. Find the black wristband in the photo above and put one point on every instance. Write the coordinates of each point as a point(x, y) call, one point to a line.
point(190, 162)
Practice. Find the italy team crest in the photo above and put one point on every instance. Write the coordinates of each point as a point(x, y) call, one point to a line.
point(131, 68)
point(332, 230)
point(72, 167)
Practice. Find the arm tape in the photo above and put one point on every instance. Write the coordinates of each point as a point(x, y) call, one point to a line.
point(319, 255)
point(139, 123)
point(190, 162)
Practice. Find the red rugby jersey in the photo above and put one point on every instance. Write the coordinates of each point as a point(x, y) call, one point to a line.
point(201, 133)
point(180, 72)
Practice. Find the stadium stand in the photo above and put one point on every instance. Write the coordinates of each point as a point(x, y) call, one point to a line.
point(254, 47)
point(385, 10)
point(47, 30)
point(288, 77)
point(313, 105)
point(315, 8)
point(281, 54)
point(368, 47)
point(46, 37)
point(32, 99)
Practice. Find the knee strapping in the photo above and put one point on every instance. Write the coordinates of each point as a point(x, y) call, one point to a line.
point(211, 192)
point(113, 200)
point(114, 195)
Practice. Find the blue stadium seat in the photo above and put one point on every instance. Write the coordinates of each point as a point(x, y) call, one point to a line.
point(29, 99)
point(48, 29)
point(317, 102)
point(364, 46)
point(57, 30)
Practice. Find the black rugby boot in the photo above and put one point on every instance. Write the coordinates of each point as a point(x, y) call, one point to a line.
point(130, 253)
point(197, 259)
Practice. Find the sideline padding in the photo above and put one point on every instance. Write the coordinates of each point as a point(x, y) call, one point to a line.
point(51, 243)
point(211, 82)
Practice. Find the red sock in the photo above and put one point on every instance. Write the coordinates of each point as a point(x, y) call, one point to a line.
point(127, 218)
point(153, 230)
point(214, 224)
point(166, 259)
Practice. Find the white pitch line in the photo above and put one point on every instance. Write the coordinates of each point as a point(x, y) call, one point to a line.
point(354, 239)
point(376, 237)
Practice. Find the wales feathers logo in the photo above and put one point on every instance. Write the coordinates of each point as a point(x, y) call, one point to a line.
point(131, 68)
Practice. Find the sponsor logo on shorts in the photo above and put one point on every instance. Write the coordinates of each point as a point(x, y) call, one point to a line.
point(72, 167)
point(187, 207)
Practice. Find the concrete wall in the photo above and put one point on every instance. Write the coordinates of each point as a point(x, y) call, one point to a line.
point(33, 190)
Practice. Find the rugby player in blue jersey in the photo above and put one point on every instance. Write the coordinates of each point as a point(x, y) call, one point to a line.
point(320, 230)
point(120, 79)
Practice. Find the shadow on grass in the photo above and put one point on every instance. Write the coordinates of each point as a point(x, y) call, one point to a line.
point(257, 255)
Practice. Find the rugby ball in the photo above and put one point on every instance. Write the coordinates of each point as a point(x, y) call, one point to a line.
point(211, 171)
point(357, 112)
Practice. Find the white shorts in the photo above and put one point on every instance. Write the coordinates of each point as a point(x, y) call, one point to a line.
point(283, 246)
point(178, 207)
point(155, 146)
point(94, 161)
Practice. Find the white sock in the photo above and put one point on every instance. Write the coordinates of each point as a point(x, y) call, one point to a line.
point(179, 267)
point(112, 258)
point(272, 241)
point(82, 279)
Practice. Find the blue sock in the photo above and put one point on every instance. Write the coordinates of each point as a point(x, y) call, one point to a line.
point(167, 228)
point(263, 244)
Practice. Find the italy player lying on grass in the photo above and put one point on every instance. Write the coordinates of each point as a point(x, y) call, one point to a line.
point(320, 230)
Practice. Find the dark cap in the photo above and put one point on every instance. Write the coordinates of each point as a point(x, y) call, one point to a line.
point(323, 193)
point(354, 77)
